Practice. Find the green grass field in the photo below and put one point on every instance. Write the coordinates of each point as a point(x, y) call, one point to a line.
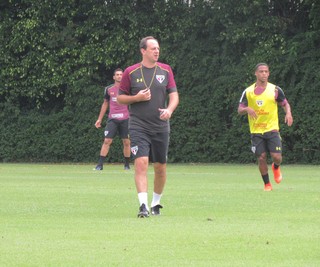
point(214, 215)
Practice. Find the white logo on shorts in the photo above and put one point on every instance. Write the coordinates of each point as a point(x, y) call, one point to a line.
point(253, 149)
point(134, 150)
point(106, 133)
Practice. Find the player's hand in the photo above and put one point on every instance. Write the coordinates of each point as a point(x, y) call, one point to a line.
point(165, 114)
point(98, 124)
point(288, 119)
point(144, 95)
point(252, 113)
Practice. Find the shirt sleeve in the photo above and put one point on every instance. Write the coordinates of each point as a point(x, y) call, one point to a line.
point(171, 86)
point(106, 94)
point(243, 99)
point(125, 84)
point(280, 97)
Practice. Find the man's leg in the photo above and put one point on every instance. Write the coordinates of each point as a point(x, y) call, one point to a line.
point(259, 148)
point(141, 181)
point(277, 159)
point(262, 163)
point(263, 168)
point(104, 152)
point(106, 147)
point(140, 176)
point(160, 147)
point(126, 153)
point(275, 148)
point(160, 178)
point(109, 133)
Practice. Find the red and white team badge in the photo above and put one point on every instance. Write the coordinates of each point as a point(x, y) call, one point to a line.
point(134, 150)
point(259, 103)
point(160, 78)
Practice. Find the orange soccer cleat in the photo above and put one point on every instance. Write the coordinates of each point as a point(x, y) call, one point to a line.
point(268, 187)
point(276, 174)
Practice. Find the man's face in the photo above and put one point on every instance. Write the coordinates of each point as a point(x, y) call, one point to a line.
point(117, 76)
point(152, 52)
point(262, 73)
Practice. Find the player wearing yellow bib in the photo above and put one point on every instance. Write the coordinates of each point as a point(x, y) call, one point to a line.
point(260, 102)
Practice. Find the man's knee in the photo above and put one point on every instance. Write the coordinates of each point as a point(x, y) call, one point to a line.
point(126, 142)
point(160, 168)
point(277, 158)
point(262, 157)
point(107, 141)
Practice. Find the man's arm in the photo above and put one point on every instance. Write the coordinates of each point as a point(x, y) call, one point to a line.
point(281, 99)
point(143, 95)
point(103, 111)
point(165, 114)
point(288, 118)
point(242, 110)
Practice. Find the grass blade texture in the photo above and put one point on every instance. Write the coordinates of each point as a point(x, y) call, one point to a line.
point(213, 215)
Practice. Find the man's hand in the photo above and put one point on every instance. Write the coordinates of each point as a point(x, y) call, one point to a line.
point(144, 95)
point(251, 113)
point(288, 119)
point(98, 124)
point(165, 114)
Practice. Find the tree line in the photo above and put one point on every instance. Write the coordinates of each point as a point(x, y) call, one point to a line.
point(57, 56)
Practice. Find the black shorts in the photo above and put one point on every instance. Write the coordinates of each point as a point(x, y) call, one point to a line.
point(267, 142)
point(115, 127)
point(152, 145)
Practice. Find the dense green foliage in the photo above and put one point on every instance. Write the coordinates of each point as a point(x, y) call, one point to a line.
point(56, 57)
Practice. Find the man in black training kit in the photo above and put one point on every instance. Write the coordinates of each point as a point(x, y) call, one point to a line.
point(145, 87)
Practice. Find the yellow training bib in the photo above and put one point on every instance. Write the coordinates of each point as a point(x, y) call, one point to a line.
point(266, 108)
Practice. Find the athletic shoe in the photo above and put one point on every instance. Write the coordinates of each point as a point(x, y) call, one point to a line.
point(126, 167)
point(143, 212)
point(268, 187)
point(156, 209)
point(98, 168)
point(276, 174)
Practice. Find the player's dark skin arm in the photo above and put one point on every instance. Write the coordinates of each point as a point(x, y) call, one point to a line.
point(288, 118)
point(247, 110)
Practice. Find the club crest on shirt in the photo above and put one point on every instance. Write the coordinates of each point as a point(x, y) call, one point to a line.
point(160, 78)
point(259, 103)
point(134, 150)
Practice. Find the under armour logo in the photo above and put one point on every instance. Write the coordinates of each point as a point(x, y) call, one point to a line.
point(139, 80)
point(134, 150)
